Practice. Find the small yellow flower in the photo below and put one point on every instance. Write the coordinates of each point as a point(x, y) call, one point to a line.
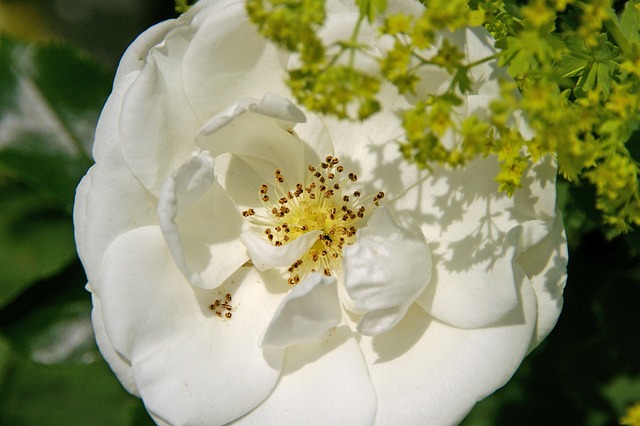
point(632, 416)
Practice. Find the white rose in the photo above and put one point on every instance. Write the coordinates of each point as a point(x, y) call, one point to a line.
point(412, 294)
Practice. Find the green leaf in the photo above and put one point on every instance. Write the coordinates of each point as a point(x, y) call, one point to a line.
point(595, 67)
point(622, 391)
point(572, 65)
point(85, 395)
point(630, 22)
point(59, 333)
point(36, 239)
point(50, 98)
point(5, 358)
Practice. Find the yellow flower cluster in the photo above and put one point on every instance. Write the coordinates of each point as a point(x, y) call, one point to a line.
point(632, 416)
point(575, 66)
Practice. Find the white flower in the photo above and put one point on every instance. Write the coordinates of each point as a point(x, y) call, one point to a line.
point(252, 262)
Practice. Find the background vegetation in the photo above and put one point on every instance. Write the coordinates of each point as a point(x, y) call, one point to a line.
point(57, 60)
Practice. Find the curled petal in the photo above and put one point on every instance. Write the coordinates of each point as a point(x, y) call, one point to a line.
point(310, 309)
point(200, 224)
point(385, 270)
point(265, 255)
point(271, 105)
point(258, 129)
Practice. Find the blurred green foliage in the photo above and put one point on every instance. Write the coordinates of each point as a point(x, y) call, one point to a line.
point(51, 373)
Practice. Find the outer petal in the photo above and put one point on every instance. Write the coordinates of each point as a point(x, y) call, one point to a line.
point(134, 57)
point(310, 309)
point(546, 266)
point(426, 372)
point(154, 318)
point(108, 187)
point(157, 126)
point(119, 365)
point(322, 383)
point(466, 222)
point(228, 60)
point(201, 224)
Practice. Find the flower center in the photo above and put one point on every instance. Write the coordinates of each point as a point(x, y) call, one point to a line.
point(325, 202)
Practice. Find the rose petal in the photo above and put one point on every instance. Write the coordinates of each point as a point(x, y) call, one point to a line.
point(466, 220)
point(545, 264)
point(157, 127)
point(227, 60)
point(478, 296)
point(381, 320)
point(369, 148)
point(134, 57)
point(271, 105)
point(154, 318)
point(477, 44)
point(427, 372)
point(201, 224)
point(265, 255)
point(260, 129)
point(241, 181)
point(119, 365)
point(387, 267)
point(322, 383)
point(310, 309)
point(108, 186)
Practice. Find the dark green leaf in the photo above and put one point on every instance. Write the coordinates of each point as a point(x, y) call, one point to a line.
point(630, 22)
point(36, 240)
point(33, 394)
point(50, 98)
point(570, 66)
point(5, 358)
point(57, 333)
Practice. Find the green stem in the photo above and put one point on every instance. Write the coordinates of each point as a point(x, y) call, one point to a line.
point(354, 41)
point(481, 61)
